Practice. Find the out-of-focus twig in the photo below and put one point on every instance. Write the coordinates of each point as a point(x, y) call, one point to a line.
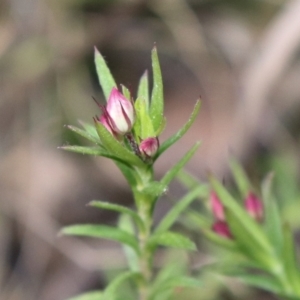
point(271, 58)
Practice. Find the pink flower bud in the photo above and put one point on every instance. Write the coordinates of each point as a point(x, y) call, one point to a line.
point(254, 207)
point(149, 146)
point(221, 228)
point(217, 207)
point(104, 119)
point(121, 115)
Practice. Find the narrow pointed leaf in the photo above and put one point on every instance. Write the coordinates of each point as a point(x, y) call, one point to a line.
point(118, 208)
point(289, 259)
point(248, 242)
point(96, 151)
point(171, 239)
point(240, 178)
point(90, 129)
point(176, 282)
point(143, 127)
point(181, 282)
point(125, 223)
point(196, 220)
point(83, 133)
point(111, 291)
point(171, 217)
point(219, 240)
point(173, 139)
point(116, 148)
point(157, 188)
point(102, 231)
point(143, 89)
point(105, 77)
point(262, 282)
point(128, 173)
point(126, 92)
point(187, 179)
point(165, 181)
point(161, 128)
point(272, 219)
point(157, 98)
point(92, 295)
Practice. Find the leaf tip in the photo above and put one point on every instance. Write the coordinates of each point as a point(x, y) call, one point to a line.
point(96, 51)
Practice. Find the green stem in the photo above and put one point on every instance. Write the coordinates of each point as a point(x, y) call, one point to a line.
point(146, 254)
point(144, 209)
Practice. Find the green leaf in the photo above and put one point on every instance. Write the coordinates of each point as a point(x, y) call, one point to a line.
point(85, 134)
point(272, 219)
point(155, 189)
point(240, 178)
point(173, 282)
point(102, 231)
point(246, 227)
point(111, 291)
point(92, 295)
point(196, 220)
point(262, 282)
point(96, 151)
point(171, 217)
point(118, 208)
point(162, 287)
point(173, 139)
point(143, 127)
point(90, 129)
point(249, 241)
point(182, 282)
point(187, 179)
point(128, 173)
point(289, 259)
point(143, 89)
point(219, 240)
point(105, 77)
point(126, 92)
point(171, 239)
point(161, 128)
point(126, 224)
point(157, 98)
point(165, 181)
point(116, 148)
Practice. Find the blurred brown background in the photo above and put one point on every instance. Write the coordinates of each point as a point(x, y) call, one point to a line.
point(241, 56)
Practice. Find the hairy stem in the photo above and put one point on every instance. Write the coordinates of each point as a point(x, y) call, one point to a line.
point(144, 209)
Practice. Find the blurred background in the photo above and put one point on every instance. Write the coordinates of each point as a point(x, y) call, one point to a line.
point(241, 57)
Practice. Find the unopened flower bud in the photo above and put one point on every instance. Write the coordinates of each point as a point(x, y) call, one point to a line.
point(104, 119)
point(120, 111)
point(217, 207)
point(254, 207)
point(149, 146)
point(221, 228)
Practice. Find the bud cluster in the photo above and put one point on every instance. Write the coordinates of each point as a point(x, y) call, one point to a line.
point(253, 206)
point(118, 117)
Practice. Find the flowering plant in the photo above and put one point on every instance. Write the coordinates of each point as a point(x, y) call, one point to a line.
point(258, 246)
point(127, 132)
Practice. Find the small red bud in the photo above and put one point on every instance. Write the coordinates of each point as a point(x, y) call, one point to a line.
point(221, 228)
point(149, 146)
point(254, 207)
point(217, 207)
